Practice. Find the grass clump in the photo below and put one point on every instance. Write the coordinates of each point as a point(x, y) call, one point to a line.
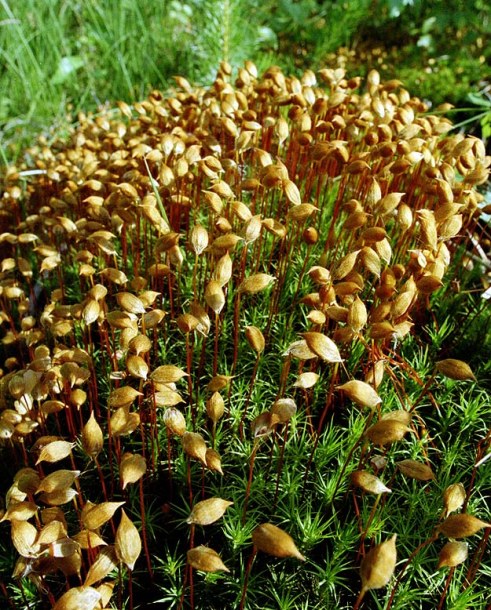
point(217, 391)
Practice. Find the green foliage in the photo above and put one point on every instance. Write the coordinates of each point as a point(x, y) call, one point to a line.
point(225, 30)
point(482, 101)
point(308, 30)
point(93, 52)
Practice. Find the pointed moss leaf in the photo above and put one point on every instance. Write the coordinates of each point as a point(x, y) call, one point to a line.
point(208, 511)
point(455, 369)
point(55, 451)
point(461, 526)
point(272, 540)
point(131, 469)
point(92, 437)
point(387, 431)
point(105, 562)
point(23, 536)
point(256, 283)
point(78, 598)
point(95, 515)
point(361, 393)
point(322, 346)
point(453, 498)
point(167, 373)
point(60, 480)
point(416, 470)
point(205, 559)
point(378, 565)
point(453, 554)
point(127, 544)
point(368, 482)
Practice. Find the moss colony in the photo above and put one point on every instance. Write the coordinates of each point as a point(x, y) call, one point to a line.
point(205, 301)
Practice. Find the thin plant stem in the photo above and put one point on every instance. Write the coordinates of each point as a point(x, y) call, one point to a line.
point(368, 523)
point(249, 480)
point(144, 530)
point(280, 465)
point(189, 364)
point(246, 578)
point(189, 481)
point(445, 588)
point(215, 344)
point(187, 570)
point(130, 589)
point(6, 595)
point(350, 455)
point(101, 478)
point(191, 581)
point(169, 463)
point(477, 559)
point(359, 599)
point(405, 566)
point(319, 429)
point(248, 398)
point(236, 332)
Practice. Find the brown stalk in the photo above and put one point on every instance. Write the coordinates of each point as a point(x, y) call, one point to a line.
point(405, 566)
point(189, 480)
point(144, 529)
point(448, 580)
point(215, 342)
point(295, 295)
point(249, 480)
point(6, 595)
point(130, 588)
point(350, 455)
point(101, 479)
point(367, 525)
point(285, 370)
point(246, 577)
point(110, 451)
point(280, 464)
point(242, 269)
point(155, 448)
point(248, 397)
point(236, 332)
point(191, 581)
point(189, 365)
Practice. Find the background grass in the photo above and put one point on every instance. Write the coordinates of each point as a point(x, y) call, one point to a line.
point(59, 57)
